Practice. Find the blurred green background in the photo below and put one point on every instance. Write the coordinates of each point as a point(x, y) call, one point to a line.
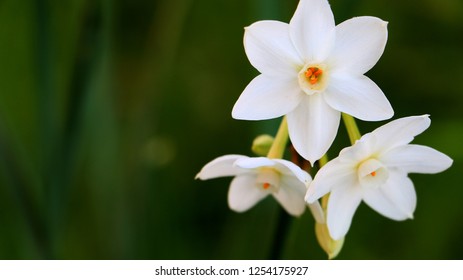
point(109, 108)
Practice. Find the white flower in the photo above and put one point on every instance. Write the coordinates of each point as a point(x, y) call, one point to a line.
point(258, 177)
point(311, 70)
point(375, 170)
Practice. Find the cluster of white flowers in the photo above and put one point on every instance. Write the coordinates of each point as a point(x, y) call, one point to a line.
point(312, 71)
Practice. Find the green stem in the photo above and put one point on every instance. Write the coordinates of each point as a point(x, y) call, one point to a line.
point(330, 246)
point(352, 129)
point(278, 147)
point(324, 160)
point(277, 150)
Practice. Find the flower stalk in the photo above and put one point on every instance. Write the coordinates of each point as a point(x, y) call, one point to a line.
point(278, 147)
point(277, 150)
point(352, 129)
point(331, 247)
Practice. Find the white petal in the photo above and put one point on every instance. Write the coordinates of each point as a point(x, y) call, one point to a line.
point(417, 159)
point(291, 195)
point(359, 97)
point(288, 168)
point(254, 162)
point(243, 193)
point(317, 212)
point(400, 132)
point(312, 126)
point(267, 98)
point(396, 199)
point(341, 208)
point(312, 29)
point(359, 44)
point(221, 167)
point(361, 150)
point(270, 49)
point(332, 175)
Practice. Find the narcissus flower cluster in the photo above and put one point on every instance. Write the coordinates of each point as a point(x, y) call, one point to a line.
point(312, 73)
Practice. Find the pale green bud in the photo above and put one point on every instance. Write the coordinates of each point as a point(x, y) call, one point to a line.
point(261, 145)
point(330, 246)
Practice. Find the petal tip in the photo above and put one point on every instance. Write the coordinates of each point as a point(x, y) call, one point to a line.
point(390, 113)
point(296, 212)
point(309, 199)
point(425, 119)
point(311, 157)
point(234, 114)
point(426, 116)
point(310, 196)
point(297, 215)
point(447, 162)
point(239, 114)
point(387, 112)
point(236, 209)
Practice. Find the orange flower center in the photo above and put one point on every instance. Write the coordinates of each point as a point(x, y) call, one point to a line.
point(312, 74)
point(266, 186)
point(373, 173)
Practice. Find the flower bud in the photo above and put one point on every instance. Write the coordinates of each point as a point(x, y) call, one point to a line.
point(330, 246)
point(261, 145)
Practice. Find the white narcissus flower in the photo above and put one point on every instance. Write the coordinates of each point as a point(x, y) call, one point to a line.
point(375, 170)
point(311, 70)
point(258, 177)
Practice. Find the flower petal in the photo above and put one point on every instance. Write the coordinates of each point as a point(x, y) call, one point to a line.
point(396, 199)
point(399, 132)
point(267, 98)
point(417, 159)
point(361, 150)
point(291, 195)
point(317, 212)
point(359, 97)
point(254, 162)
point(290, 169)
point(312, 30)
point(220, 167)
point(360, 42)
point(341, 208)
point(270, 49)
point(333, 174)
point(312, 126)
point(243, 193)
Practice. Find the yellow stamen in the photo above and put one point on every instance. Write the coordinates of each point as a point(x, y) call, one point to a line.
point(312, 74)
point(308, 73)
